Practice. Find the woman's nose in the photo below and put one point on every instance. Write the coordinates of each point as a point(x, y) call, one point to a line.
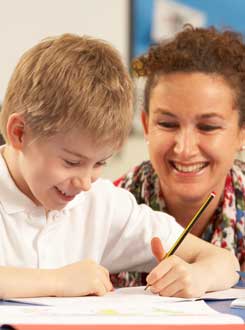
point(186, 144)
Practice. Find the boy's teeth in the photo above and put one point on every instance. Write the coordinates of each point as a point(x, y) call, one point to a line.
point(189, 168)
point(65, 194)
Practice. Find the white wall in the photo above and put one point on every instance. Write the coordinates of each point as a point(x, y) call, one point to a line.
point(23, 23)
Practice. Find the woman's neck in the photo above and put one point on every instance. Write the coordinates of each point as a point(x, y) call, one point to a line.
point(184, 210)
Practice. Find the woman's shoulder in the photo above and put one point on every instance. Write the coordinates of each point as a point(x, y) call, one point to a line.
point(237, 176)
point(140, 181)
point(239, 166)
point(137, 175)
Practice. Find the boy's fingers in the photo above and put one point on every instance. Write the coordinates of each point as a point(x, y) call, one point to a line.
point(100, 290)
point(157, 248)
point(106, 279)
point(158, 252)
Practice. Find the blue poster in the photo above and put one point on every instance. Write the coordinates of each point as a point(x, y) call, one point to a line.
point(153, 20)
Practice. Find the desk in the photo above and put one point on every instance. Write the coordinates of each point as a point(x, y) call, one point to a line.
point(221, 306)
point(130, 327)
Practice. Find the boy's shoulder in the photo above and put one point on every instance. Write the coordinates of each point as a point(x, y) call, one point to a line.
point(100, 186)
point(105, 188)
point(103, 191)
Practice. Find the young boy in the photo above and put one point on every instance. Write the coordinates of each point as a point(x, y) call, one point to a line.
point(67, 109)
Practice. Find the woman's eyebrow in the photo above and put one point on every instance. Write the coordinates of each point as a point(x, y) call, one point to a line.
point(162, 111)
point(211, 115)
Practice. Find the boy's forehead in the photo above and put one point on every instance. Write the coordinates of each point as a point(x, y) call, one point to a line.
point(84, 145)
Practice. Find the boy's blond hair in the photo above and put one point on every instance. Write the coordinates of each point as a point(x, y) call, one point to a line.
point(71, 81)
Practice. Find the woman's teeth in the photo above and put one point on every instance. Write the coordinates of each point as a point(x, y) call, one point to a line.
point(189, 168)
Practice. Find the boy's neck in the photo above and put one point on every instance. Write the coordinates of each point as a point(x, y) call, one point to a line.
point(11, 159)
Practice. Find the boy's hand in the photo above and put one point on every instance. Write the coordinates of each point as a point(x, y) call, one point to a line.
point(81, 279)
point(172, 276)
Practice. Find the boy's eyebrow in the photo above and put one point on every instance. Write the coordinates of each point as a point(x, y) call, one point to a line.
point(74, 153)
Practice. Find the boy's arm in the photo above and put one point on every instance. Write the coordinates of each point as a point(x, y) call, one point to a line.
point(196, 267)
point(77, 279)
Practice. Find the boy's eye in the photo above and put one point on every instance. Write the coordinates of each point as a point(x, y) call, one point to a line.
point(168, 124)
point(102, 163)
point(71, 163)
point(208, 128)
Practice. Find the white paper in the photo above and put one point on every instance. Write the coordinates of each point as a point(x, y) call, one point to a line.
point(124, 306)
point(238, 303)
point(118, 296)
point(137, 292)
point(232, 293)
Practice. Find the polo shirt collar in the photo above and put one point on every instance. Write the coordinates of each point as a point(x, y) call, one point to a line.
point(11, 198)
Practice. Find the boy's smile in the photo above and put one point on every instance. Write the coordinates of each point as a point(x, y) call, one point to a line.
point(66, 197)
point(52, 171)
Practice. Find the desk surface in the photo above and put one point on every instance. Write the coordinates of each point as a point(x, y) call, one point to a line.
point(131, 327)
point(222, 306)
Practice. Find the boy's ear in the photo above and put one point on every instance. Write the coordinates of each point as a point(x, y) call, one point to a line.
point(16, 130)
point(145, 122)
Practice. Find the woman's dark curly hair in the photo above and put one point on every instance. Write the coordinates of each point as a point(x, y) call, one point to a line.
point(205, 50)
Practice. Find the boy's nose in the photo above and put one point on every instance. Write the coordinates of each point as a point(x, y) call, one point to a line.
point(186, 144)
point(82, 183)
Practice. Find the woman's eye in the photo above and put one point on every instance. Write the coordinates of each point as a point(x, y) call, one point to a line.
point(168, 124)
point(208, 128)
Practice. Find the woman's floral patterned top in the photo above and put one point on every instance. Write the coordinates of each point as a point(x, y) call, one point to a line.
point(226, 228)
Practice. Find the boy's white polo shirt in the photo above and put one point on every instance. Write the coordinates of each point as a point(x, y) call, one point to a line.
point(104, 224)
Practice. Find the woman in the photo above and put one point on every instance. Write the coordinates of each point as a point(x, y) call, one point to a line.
point(194, 125)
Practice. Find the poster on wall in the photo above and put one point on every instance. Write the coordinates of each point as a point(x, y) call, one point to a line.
point(153, 20)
